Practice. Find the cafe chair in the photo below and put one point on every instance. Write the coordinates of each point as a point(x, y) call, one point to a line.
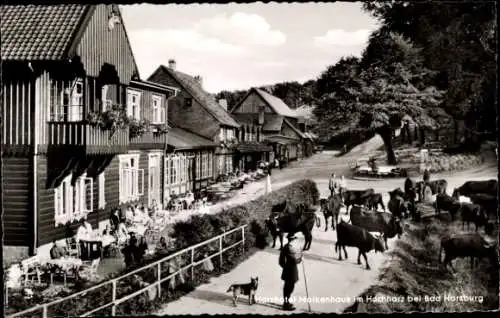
point(31, 269)
point(72, 247)
point(89, 270)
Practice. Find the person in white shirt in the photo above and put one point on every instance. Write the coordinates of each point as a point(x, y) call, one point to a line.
point(129, 214)
point(83, 235)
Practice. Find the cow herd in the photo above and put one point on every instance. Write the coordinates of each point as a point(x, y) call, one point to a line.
point(365, 218)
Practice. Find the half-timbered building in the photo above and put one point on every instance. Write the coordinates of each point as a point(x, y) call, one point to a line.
point(196, 110)
point(80, 131)
point(280, 123)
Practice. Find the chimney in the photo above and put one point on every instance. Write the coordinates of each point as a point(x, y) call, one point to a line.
point(171, 64)
point(261, 115)
point(199, 79)
point(223, 103)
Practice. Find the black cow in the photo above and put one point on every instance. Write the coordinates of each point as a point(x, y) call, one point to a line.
point(473, 187)
point(374, 200)
point(437, 186)
point(355, 236)
point(488, 202)
point(331, 207)
point(397, 206)
point(471, 212)
point(447, 203)
point(358, 197)
point(410, 187)
point(382, 222)
point(470, 245)
point(300, 220)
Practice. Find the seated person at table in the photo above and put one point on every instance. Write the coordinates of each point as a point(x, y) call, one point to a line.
point(114, 220)
point(57, 252)
point(162, 245)
point(129, 214)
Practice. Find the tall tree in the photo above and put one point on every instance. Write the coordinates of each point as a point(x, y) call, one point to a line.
point(378, 92)
point(459, 41)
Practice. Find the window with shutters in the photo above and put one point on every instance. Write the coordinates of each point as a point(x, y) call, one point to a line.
point(158, 110)
point(131, 178)
point(134, 104)
point(73, 202)
point(102, 191)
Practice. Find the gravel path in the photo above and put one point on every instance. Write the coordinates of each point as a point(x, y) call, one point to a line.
point(338, 282)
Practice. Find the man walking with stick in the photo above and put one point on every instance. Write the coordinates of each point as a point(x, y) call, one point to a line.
point(290, 256)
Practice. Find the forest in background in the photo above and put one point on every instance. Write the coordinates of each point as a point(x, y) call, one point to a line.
point(431, 64)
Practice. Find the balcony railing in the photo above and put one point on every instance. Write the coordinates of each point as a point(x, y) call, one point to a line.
point(149, 140)
point(93, 139)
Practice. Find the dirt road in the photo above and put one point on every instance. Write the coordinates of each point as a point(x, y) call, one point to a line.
point(331, 284)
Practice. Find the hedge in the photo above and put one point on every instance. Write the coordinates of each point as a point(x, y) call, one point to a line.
point(197, 229)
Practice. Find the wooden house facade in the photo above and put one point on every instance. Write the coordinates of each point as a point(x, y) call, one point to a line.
point(68, 80)
point(279, 123)
point(197, 111)
point(250, 148)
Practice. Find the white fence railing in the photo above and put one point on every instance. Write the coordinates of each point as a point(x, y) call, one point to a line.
point(114, 301)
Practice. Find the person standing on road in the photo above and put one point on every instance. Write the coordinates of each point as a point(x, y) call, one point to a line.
point(332, 184)
point(343, 186)
point(290, 256)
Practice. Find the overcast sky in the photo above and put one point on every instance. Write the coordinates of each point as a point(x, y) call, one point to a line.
point(237, 46)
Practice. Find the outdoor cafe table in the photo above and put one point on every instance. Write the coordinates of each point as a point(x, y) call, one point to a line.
point(97, 242)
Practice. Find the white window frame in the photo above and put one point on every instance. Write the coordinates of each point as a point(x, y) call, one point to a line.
point(198, 166)
point(154, 163)
point(73, 202)
point(222, 135)
point(204, 165)
point(106, 103)
point(229, 164)
point(134, 108)
point(157, 109)
point(129, 187)
point(102, 191)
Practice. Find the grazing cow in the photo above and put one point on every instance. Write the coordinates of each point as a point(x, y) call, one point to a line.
point(355, 236)
point(437, 186)
point(488, 202)
point(299, 221)
point(471, 212)
point(374, 200)
point(447, 203)
point(473, 187)
point(358, 197)
point(331, 207)
point(470, 245)
point(382, 222)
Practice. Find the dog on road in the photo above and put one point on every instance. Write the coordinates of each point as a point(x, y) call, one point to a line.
point(245, 289)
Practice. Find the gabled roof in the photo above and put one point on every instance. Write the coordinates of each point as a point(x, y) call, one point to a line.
point(301, 134)
point(275, 103)
point(46, 32)
point(191, 85)
point(272, 122)
point(179, 138)
point(281, 139)
point(39, 32)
